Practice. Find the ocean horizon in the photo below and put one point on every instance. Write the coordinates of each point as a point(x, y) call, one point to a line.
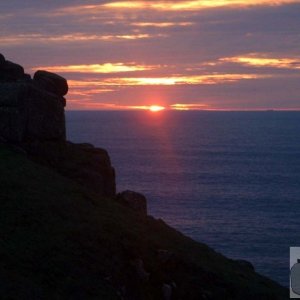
point(227, 179)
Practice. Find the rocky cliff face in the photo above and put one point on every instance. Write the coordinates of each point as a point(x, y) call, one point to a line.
point(32, 117)
point(31, 109)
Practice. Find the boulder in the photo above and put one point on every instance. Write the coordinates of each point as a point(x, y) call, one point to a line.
point(51, 82)
point(245, 264)
point(133, 200)
point(10, 71)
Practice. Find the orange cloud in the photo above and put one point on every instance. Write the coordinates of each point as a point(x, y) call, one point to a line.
point(87, 92)
point(190, 106)
point(191, 5)
point(162, 24)
point(176, 80)
point(83, 89)
point(89, 104)
point(19, 39)
point(97, 68)
point(164, 5)
point(90, 87)
point(183, 80)
point(256, 61)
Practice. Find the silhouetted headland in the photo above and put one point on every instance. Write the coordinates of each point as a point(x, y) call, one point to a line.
point(65, 234)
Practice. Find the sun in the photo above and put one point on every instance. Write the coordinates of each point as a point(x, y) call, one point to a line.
point(156, 108)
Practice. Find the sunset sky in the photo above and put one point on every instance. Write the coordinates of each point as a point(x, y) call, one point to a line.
point(197, 54)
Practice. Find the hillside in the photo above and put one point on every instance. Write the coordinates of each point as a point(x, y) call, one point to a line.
point(60, 241)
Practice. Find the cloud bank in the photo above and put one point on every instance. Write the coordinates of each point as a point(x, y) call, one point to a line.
point(221, 54)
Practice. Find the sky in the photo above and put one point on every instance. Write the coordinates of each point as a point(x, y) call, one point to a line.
point(194, 54)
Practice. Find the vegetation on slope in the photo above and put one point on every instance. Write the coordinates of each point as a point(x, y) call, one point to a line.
point(58, 240)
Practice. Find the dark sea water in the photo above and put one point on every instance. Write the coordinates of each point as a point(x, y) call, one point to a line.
point(228, 179)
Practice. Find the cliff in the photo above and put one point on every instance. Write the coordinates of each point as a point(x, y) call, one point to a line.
point(32, 118)
point(66, 235)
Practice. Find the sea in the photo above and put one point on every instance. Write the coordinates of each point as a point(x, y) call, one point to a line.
point(227, 179)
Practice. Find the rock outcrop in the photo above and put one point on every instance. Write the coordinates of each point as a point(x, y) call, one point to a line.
point(10, 71)
point(83, 163)
point(133, 200)
point(2, 60)
point(29, 109)
point(51, 82)
point(32, 118)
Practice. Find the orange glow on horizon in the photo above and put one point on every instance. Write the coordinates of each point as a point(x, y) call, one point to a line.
point(89, 104)
point(156, 108)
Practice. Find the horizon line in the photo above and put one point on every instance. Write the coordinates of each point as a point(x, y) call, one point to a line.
point(199, 110)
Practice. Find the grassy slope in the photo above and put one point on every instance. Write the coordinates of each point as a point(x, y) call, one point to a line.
point(59, 241)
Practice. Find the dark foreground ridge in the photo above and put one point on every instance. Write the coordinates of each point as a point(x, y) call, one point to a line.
point(64, 232)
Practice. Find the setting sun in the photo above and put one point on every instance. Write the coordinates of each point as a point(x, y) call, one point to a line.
point(155, 108)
